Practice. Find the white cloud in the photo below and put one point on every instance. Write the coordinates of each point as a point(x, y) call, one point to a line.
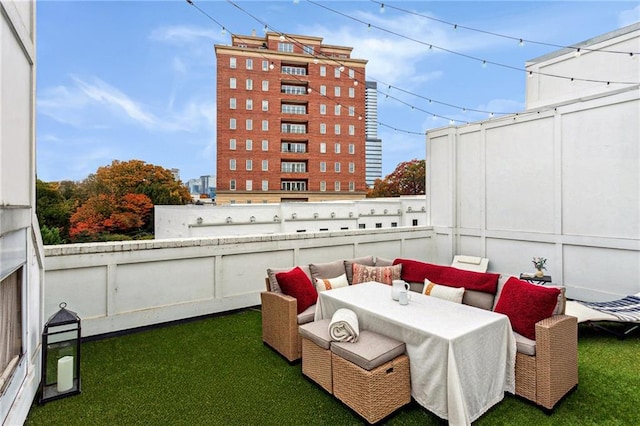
point(104, 94)
point(182, 34)
point(629, 17)
point(93, 102)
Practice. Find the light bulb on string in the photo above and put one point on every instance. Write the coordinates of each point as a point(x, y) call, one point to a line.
point(381, 7)
point(521, 43)
point(282, 37)
point(271, 66)
point(265, 29)
point(355, 82)
point(223, 31)
point(341, 68)
point(484, 64)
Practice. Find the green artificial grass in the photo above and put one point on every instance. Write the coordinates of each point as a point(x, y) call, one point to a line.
point(217, 371)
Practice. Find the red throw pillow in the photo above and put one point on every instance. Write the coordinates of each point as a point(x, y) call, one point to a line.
point(525, 304)
point(416, 271)
point(296, 283)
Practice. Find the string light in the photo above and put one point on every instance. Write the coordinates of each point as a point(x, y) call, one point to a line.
point(434, 116)
point(519, 39)
point(464, 55)
point(381, 7)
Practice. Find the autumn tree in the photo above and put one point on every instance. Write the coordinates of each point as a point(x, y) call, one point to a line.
point(407, 179)
point(119, 198)
point(107, 213)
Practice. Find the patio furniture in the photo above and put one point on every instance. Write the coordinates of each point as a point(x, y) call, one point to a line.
point(371, 376)
point(624, 311)
point(470, 263)
point(316, 353)
point(552, 372)
point(439, 336)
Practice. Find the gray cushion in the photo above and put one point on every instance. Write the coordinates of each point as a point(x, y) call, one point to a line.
point(307, 315)
point(317, 332)
point(479, 299)
point(525, 345)
point(273, 282)
point(327, 270)
point(348, 265)
point(370, 351)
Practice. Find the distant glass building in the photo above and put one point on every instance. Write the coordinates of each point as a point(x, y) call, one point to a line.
point(373, 144)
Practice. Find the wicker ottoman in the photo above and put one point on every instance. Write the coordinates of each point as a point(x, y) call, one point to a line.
point(316, 353)
point(371, 376)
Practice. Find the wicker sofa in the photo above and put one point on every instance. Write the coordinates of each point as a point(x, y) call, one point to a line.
point(546, 366)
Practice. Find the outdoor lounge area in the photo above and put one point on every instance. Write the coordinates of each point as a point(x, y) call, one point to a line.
point(217, 371)
point(172, 328)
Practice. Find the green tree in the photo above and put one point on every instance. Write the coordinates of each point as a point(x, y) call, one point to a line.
point(53, 210)
point(407, 179)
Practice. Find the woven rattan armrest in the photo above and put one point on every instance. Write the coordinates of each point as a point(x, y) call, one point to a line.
point(280, 324)
point(556, 358)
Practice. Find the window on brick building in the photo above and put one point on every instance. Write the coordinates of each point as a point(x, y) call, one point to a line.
point(249, 104)
point(265, 85)
point(232, 123)
point(232, 164)
point(232, 144)
point(248, 144)
point(323, 71)
point(336, 186)
point(232, 83)
point(249, 165)
point(249, 63)
point(232, 62)
point(265, 105)
point(232, 103)
point(232, 184)
point(265, 145)
point(248, 184)
point(265, 185)
point(249, 85)
point(265, 165)
point(323, 148)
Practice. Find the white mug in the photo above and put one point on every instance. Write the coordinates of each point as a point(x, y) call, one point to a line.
point(404, 297)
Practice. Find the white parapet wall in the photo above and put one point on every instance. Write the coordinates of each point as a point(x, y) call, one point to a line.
point(118, 286)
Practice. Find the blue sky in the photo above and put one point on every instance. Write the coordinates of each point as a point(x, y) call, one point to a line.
point(122, 80)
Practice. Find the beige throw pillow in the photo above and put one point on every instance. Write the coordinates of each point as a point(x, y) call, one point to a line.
point(323, 284)
point(452, 294)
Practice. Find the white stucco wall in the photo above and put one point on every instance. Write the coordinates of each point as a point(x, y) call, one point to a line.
point(20, 244)
point(123, 285)
point(561, 184)
point(590, 64)
point(255, 219)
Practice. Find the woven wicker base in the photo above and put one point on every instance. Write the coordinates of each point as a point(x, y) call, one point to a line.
point(372, 394)
point(316, 364)
point(526, 376)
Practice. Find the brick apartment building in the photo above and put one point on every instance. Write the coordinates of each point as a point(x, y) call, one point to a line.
point(290, 120)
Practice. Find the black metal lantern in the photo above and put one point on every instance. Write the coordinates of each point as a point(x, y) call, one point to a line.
point(60, 356)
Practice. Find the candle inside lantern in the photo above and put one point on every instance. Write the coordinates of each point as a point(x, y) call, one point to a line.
point(65, 373)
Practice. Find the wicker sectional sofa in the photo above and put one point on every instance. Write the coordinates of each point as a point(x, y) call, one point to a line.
point(546, 362)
